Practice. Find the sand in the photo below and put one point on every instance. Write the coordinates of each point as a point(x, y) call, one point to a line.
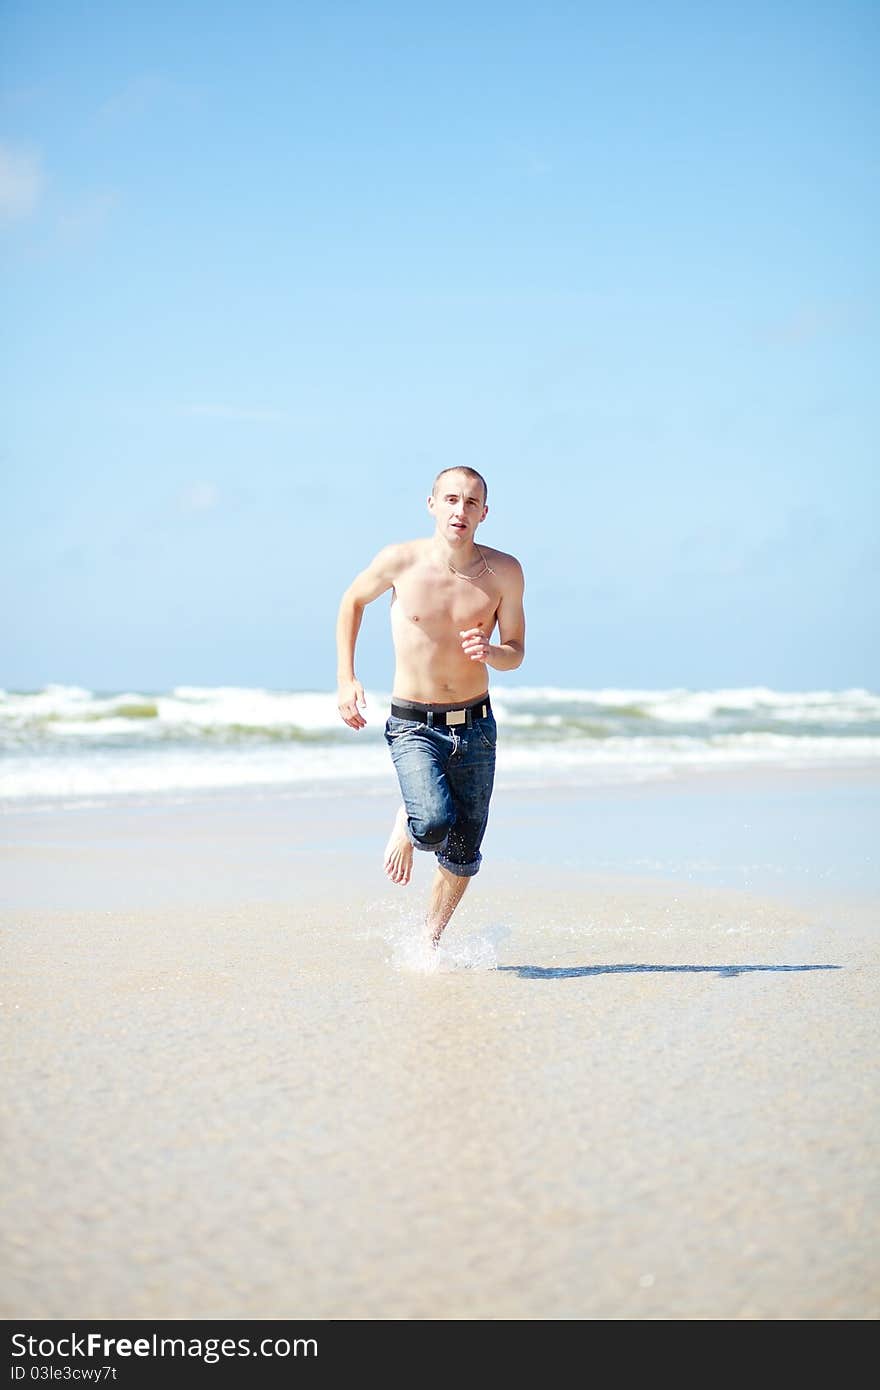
point(637, 1082)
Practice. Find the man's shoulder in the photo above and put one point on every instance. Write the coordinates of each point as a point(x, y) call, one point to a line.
point(505, 566)
point(399, 555)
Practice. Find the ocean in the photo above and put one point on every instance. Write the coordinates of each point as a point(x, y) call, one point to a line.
point(66, 745)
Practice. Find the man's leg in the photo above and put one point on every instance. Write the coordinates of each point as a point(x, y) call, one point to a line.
point(470, 774)
point(447, 892)
point(419, 755)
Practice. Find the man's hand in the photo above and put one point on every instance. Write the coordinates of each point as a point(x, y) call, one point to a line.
point(350, 695)
point(475, 644)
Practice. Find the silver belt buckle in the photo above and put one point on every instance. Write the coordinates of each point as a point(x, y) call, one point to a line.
point(456, 716)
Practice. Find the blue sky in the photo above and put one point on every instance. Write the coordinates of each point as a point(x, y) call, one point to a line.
point(267, 269)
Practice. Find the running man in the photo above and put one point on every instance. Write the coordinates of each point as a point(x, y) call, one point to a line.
point(448, 596)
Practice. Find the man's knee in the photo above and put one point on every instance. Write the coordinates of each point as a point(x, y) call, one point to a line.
point(429, 831)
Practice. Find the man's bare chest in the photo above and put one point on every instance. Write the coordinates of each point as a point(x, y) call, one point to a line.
point(438, 603)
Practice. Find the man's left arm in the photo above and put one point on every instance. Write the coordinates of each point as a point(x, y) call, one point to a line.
point(508, 652)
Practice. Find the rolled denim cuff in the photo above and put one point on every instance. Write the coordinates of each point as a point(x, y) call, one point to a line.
point(460, 870)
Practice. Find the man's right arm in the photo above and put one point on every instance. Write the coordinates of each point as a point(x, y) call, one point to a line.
point(376, 579)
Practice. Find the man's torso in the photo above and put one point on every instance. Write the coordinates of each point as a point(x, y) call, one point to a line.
point(430, 607)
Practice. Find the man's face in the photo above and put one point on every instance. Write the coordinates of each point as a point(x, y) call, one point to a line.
point(457, 506)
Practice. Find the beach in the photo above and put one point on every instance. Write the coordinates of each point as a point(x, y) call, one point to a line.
point(637, 1080)
point(513, 369)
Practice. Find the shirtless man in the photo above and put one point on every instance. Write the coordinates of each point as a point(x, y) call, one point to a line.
point(448, 596)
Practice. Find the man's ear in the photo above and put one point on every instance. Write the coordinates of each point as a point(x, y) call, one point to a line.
point(431, 502)
point(485, 512)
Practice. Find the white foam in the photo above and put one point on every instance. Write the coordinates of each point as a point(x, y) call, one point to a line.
point(267, 709)
point(108, 773)
point(680, 705)
point(186, 708)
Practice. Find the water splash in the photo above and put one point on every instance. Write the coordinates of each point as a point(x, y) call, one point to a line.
point(463, 946)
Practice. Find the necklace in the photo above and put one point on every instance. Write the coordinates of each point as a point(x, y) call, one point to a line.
point(487, 568)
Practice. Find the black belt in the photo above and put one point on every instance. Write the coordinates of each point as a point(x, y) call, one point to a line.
point(444, 719)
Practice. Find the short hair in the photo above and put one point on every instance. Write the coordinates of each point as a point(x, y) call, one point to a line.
point(468, 473)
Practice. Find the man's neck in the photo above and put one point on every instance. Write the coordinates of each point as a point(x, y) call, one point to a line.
point(459, 556)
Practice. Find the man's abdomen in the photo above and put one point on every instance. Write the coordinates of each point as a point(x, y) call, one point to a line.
point(439, 678)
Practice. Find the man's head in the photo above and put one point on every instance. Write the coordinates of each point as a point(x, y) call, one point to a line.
point(470, 473)
point(458, 502)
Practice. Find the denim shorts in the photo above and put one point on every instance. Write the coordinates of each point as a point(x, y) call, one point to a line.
point(446, 778)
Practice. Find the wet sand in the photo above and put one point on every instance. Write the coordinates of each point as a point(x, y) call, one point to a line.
point(237, 1084)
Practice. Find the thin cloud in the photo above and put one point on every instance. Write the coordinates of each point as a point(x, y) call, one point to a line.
point(526, 157)
point(87, 218)
point(147, 92)
point(235, 412)
point(21, 182)
point(811, 321)
point(198, 497)
point(537, 164)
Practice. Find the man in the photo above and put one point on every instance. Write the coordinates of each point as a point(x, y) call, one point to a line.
point(448, 596)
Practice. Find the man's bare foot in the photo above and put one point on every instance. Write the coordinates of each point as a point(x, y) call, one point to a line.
point(399, 851)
